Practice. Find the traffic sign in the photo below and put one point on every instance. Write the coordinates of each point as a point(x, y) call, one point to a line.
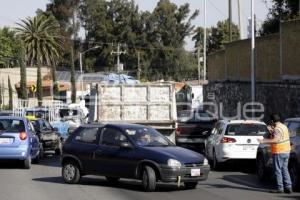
point(33, 88)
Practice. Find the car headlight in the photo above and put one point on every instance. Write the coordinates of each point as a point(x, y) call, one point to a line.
point(173, 163)
point(205, 162)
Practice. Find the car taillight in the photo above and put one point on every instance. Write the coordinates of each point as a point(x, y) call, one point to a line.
point(23, 135)
point(228, 140)
point(178, 130)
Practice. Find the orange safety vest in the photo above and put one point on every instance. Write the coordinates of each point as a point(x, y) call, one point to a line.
point(283, 145)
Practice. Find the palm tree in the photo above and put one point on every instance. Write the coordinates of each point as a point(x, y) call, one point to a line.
point(42, 43)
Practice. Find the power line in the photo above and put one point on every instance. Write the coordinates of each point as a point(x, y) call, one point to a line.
point(219, 10)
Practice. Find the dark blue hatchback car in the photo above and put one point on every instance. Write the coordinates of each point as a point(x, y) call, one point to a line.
point(130, 151)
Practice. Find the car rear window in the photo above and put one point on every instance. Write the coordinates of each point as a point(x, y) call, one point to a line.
point(12, 125)
point(247, 130)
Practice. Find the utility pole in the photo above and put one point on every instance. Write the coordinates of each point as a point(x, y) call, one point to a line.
point(252, 56)
point(240, 5)
point(204, 43)
point(198, 58)
point(230, 19)
point(139, 66)
point(118, 53)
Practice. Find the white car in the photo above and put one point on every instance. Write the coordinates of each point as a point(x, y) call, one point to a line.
point(234, 140)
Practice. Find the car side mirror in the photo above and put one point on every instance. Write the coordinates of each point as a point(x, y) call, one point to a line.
point(126, 145)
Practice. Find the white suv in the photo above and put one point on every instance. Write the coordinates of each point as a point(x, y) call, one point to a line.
point(234, 140)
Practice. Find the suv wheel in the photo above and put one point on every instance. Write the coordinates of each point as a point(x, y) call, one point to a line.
point(71, 172)
point(27, 163)
point(261, 168)
point(294, 173)
point(149, 179)
point(190, 185)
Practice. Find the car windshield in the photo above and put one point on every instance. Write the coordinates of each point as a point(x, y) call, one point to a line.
point(147, 137)
point(247, 130)
point(185, 116)
point(12, 125)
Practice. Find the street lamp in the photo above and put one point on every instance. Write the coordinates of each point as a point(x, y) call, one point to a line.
point(252, 56)
point(80, 61)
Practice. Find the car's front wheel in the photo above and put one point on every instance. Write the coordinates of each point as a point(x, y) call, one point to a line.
point(149, 179)
point(58, 151)
point(71, 173)
point(191, 185)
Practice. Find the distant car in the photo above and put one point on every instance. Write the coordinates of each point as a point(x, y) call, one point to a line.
point(265, 162)
point(234, 140)
point(194, 127)
point(130, 151)
point(73, 117)
point(49, 137)
point(18, 140)
point(38, 112)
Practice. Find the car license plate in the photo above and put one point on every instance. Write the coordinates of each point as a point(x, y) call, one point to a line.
point(195, 172)
point(248, 148)
point(6, 140)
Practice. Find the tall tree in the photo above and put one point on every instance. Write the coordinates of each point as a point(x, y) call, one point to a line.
point(217, 36)
point(280, 10)
point(42, 44)
point(10, 95)
point(8, 48)
point(22, 64)
point(67, 14)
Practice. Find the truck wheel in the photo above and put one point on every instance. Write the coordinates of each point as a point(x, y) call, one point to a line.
point(261, 168)
point(191, 185)
point(27, 163)
point(71, 173)
point(149, 179)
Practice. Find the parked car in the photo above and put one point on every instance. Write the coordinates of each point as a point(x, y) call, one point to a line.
point(130, 151)
point(49, 137)
point(265, 162)
point(194, 127)
point(234, 140)
point(18, 140)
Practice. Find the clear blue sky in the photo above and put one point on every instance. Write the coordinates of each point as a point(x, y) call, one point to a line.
point(13, 10)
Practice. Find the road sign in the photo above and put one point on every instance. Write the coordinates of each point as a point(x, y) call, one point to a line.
point(33, 88)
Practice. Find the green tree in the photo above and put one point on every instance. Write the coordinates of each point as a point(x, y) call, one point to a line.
point(10, 95)
point(217, 37)
point(281, 10)
point(42, 44)
point(8, 48)
point(67, 14)
point(22, 64)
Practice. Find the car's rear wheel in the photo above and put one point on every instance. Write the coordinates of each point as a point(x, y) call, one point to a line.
point(261, 168)
point(71, 173)
point(294, 174)
point(58, 151)
point(149, 179)
point(215, 163)
point(27, 163)
point(112, 179)
point(191, 185)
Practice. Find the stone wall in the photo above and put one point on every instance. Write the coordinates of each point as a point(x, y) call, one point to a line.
point(282, 97)
point(277, 57)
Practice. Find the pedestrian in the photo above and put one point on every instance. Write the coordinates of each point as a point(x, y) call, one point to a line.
point(280, 148)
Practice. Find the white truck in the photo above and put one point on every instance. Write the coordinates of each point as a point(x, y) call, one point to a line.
point(152, 104)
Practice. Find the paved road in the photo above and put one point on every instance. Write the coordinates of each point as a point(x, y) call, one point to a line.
point(44, 182)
